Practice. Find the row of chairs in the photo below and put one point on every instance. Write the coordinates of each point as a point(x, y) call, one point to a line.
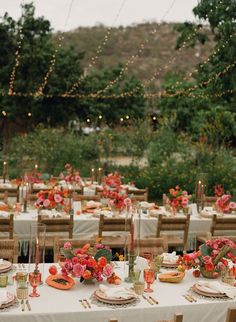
point(136, 194)
point(230, 317)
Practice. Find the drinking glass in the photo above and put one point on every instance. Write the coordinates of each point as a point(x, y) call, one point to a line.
point(149, 277)
point(35, 280)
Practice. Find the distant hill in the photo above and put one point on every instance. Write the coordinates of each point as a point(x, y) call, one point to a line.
point(125, 41)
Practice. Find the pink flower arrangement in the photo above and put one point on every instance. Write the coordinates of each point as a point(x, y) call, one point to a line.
point(112, 180)
point(178, 198)
point(87, 263)
point(118, 199)
point(213, 256)
point(224, 204)
point(71, 176)
point(51, 199)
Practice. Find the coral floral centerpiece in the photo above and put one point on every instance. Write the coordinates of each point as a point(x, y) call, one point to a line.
point(177, 198)
point(87, 263)
point(225, 205)
point(51, 199)
point(212, 257)
point(117, 199)
point(112, 180)
point(71, 175)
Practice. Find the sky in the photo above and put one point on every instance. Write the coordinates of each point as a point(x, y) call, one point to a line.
point(67, 15)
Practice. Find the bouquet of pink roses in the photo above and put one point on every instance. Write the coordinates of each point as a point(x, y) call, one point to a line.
point(224, 204)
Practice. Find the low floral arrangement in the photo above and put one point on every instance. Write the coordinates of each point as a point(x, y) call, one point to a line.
point(225, 205)
point(33, 178)
point(71, 176)
point(51, 199)
point(212, 257)
point(178, 198)
point(117, 199)
point(88, 262)
point(112, 180)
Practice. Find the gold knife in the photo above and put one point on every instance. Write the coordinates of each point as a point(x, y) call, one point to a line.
point(87, 302)
point(149, 301)
point(191, 297)
point(22, 305)
point(188, 298)
point(28, 305)
point(155, 301)
point(84, 305)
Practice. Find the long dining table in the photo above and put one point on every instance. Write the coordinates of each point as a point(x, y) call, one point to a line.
point(87, 224)
point(60, 306)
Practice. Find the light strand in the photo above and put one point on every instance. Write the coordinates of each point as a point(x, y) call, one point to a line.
point(41, 88)
point(94, 59)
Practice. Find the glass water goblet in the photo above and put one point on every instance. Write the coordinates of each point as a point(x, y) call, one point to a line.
point(35, 280)
point(149, 277)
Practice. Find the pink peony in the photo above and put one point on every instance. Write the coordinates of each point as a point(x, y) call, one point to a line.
point(67, 245)
point(232, 205)
point(46, 203)
point(68, 265)
point(58, 198)
point(74, 260)
point(78, 270)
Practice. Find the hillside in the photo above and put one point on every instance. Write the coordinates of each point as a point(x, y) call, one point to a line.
point(125, 41)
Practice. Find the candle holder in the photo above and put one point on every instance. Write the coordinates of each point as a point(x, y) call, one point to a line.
point(4, 173)
point(37, 246)
point(200, 190)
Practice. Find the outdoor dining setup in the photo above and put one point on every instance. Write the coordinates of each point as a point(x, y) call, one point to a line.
point(78, 249)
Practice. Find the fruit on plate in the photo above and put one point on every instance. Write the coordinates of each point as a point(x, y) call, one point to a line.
point(61, 282)
point(171, 277)
point(114, 279)
point(53, 269)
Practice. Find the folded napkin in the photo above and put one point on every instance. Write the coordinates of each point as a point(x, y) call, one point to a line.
point(50, 213)
point(4, 213)
point(1, 261)
point(3, 297)
point(208, 212)
point(170, 258)
point(119, 292)
point(223, 288)
point(141, 263)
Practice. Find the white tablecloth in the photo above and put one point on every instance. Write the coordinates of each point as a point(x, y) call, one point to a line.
point(60, 306)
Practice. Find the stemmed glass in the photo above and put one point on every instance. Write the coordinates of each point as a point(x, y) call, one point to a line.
point(35, 280)
point(149, 277)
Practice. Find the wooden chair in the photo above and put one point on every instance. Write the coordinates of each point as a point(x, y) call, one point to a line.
point(7, 226)
point(56, 227)
point(76, 243)
point(231, 315)
point(113, 320)
point(9, 249)
point(156, 246)
point(138, 194)
point(219, 225)
point(77, 197)
point(4, 196)
point(176, 224)
point(178, 317)
point(117, 225)
point(209, 201)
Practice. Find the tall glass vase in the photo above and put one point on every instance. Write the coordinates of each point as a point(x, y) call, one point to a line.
point(37, 247)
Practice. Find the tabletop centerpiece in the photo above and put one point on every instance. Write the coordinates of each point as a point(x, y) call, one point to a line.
point(116, 200)
point(112, 180)
point(212, 257)
point(53, 199)
point(224, 204)
point(177, 199)
point(87, 263)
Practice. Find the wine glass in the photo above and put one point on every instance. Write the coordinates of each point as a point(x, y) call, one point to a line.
point(149, 277)
point(35, 280)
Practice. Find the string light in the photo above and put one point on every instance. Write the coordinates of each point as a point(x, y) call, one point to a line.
point(17, 62)
point(131, 59)
point(29, 114)
point(4, 113)
point(41, 88)
point(94, 59)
